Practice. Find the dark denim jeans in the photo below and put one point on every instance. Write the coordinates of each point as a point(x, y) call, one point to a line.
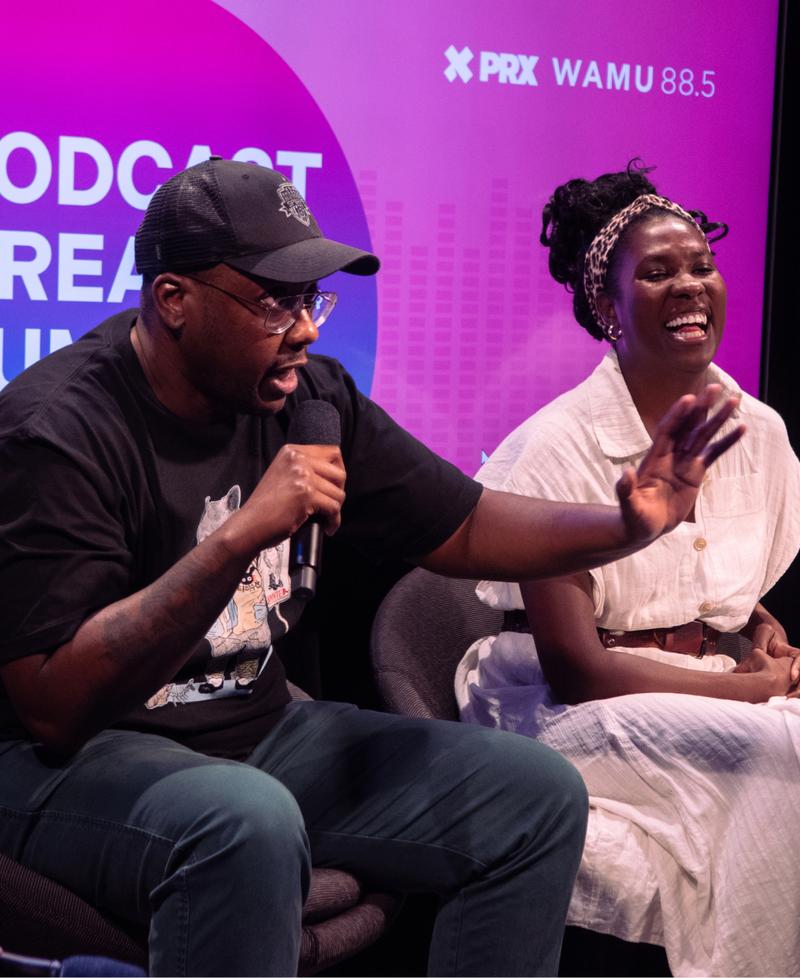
point(216, 854)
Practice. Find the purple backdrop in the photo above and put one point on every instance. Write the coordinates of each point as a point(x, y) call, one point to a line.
point(452, 122)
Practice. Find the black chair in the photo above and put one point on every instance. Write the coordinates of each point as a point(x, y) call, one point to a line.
point(423, 627)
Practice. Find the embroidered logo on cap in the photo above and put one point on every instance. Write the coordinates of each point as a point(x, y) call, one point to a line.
point(292, 204)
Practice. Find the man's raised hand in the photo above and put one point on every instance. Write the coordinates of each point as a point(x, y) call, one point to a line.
point(660, 494)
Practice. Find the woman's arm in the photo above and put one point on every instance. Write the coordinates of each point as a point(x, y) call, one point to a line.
point(578, 667)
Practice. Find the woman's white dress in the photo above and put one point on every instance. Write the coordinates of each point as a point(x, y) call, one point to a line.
point(694, 831)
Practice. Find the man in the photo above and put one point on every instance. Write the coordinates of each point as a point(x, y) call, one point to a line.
point(152, 761)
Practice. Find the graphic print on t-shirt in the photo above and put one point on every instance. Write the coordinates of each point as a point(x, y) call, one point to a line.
point(240, 638)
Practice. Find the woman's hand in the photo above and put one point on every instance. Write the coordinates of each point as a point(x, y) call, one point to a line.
point(780, 670)
point(660, 494)
point(768, 640)
point(766, 633)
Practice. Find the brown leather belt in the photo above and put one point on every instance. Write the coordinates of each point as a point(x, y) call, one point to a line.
point(693, 638)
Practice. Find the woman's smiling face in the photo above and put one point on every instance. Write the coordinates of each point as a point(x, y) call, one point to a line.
point(667, 297)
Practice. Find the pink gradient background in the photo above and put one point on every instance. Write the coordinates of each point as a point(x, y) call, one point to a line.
point(473, 335)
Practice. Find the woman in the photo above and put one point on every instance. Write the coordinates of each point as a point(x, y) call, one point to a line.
point(693, 839)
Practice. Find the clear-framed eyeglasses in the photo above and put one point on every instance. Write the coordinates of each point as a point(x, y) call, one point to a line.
point(282, 312)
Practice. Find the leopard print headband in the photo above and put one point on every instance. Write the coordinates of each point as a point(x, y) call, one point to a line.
point(595, 264)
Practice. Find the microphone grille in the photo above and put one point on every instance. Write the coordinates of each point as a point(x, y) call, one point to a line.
point(315, 423)
point(89, 965)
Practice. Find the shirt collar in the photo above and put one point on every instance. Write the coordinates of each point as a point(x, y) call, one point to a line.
point(617, 426)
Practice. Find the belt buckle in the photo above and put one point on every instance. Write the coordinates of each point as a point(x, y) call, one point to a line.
point(709, 643)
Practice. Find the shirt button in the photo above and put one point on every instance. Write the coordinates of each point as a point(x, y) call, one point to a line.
point(700, 544)
point(705, 607)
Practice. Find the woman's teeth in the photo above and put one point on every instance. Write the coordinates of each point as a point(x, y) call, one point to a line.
point(689, 319)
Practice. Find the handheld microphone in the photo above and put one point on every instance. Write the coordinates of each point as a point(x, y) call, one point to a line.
point(85, 965)
point(314, 423)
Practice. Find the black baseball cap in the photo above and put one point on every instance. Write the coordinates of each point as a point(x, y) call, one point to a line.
point(246, 216)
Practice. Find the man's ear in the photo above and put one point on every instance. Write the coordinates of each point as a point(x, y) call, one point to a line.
point(168, 294)
point(606, 310)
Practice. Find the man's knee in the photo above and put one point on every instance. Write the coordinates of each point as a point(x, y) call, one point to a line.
point(240, 811)
point(538, 783)
point(559, 780)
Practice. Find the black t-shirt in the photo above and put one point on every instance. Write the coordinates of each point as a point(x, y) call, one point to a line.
point(102, 490)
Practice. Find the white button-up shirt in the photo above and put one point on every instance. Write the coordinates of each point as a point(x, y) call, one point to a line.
point(747, 516)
